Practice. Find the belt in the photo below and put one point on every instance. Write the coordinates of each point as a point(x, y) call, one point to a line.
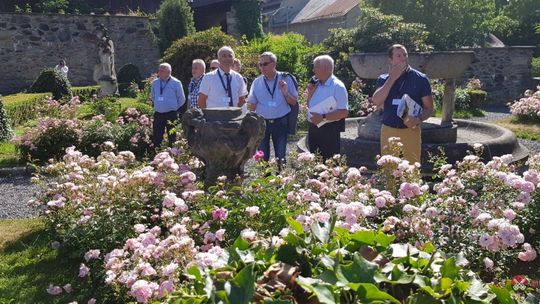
point(271, 121)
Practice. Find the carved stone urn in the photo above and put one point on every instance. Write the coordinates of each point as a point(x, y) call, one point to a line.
point(223, 138)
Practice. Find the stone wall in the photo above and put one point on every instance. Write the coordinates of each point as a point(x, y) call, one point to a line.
point(31, 42)
point(505, 72)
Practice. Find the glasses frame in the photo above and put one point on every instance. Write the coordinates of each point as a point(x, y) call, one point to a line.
point(261, 64)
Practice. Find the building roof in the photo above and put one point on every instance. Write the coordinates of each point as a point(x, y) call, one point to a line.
point(322, 9)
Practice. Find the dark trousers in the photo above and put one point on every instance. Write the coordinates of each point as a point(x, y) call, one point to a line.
point(162, 122)
point(325, 140)
point(277, 129)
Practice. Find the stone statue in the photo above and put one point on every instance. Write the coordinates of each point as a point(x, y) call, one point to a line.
point(104, 71)
point(223, 139)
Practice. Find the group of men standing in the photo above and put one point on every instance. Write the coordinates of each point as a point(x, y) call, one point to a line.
point(273, 94)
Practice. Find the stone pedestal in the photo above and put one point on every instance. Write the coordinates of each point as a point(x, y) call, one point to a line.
point(223, 138)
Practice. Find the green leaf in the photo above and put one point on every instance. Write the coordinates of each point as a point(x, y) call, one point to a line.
point(370, 293)
point(295, 225)
point(246, 256)
point(323, 291)
point(384, 239)
point(195, 272)
point(359, 270)
point(242, 286)
point(502, 294)
point(445, 283)
point(402, 250)
point(449, 268)
point(422, 298)
point(364, 236)
point(429, 247)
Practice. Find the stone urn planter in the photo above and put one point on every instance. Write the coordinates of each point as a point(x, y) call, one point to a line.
point(223, 138)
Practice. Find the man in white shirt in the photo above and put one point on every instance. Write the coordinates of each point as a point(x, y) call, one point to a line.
point(222, 87)
point(62, 68)
point(326, 139)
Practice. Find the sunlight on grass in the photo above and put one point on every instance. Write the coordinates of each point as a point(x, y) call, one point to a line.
point(28, 264)
point(524, 130)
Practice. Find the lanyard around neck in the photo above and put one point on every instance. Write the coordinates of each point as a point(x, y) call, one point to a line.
point(225, 87)
point(268, 87)
point(162, 87)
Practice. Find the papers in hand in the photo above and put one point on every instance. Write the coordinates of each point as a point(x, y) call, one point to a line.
point(408, 106)
point(324, 107)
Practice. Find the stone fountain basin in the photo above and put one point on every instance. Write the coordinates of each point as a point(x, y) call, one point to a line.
point(436, 65)
point(497, 141)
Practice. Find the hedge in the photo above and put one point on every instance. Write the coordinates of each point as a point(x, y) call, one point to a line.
point(21, 107)
point(85, 93)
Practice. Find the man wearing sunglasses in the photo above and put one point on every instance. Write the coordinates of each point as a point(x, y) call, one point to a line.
point(271, 96)
point(214, 65)
point(222, 87)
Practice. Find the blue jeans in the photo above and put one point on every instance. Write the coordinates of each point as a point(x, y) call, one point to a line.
point(277, 129)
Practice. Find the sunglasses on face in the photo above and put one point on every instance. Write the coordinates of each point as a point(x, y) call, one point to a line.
point(261, 64)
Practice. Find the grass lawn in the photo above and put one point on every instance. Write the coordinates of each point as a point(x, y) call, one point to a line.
point(9, 156)
point(524, 130)
point(463, 114)
point(28, 264)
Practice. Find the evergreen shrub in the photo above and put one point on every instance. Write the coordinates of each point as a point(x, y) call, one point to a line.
point(5, 127)
point(50, 80)
point(203, 45)
point(175, 20)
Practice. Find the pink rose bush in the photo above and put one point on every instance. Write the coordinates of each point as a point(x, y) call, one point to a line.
point(528, 107)
point(150, 230)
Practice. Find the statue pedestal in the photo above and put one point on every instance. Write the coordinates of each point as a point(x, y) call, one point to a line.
point(223, 139)
point(107, 87)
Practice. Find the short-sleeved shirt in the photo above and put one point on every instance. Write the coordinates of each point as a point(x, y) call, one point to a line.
point(412, 83)
point(265, 93)
point(167, 95)
point(215, 88)
point(331, 87)
point(193, 91)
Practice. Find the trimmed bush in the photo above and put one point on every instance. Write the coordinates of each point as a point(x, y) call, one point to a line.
point(535, 67)
point(175, 20)
point(85, 93)
point(5, 127)
point(50, 80)
point(23, 106)
point(127, 76)
point(477, 97)
point(203, 45)
point(142, 107)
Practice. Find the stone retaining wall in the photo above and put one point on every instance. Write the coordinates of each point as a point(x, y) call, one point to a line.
point(31, 42)
point(505, 72)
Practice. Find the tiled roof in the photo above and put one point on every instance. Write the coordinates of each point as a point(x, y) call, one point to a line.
point(320, 9)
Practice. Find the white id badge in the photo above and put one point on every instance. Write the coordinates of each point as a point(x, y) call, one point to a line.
point(272, 104)
point(160, 98)
point(226, 101)
point(396, 101)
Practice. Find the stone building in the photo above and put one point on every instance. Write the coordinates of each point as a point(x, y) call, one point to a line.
point(31, 42)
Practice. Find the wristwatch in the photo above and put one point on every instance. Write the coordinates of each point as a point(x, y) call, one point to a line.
point(324, 117)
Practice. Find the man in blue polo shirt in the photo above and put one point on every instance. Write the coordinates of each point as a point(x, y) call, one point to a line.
point(390, 88)
point(271, 95)
point(167, 96)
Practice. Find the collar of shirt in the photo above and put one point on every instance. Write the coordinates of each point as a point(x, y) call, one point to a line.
point(328, 81)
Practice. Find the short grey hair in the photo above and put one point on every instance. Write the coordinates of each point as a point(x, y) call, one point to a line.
point(325, 60)
point(166, 65)
point(272, 56)
point(225, 48)
point(199, 62)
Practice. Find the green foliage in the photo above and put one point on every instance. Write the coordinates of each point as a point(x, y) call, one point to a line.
point(535, 67)
point(85, 93)
point(203, 45)
point(5, 126)
point(451, 24)
point(129, 79)
point(294, 54)
point(53, 6)
point(359, 104)
point(175, 19)
point(524, 13)
point(22, 107)
point(50, 80)
point(143, 108)
point(248, 18)
point(375, 32)
point(477, 97)
point(106, 106)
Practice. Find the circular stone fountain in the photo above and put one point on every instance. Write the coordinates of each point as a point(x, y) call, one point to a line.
point(360, 141)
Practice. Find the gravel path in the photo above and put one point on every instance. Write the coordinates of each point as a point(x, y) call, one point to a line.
point(17, 190)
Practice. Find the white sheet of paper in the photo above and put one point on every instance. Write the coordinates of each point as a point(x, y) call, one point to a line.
point(324, 107)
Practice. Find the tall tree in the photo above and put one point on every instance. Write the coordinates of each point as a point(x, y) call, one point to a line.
point(248, 17)
point(450, 23)
point(175, 19)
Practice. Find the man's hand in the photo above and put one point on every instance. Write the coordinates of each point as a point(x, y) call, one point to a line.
point(283, 88)
point(316, 118)
point(395, 71)
point(412, 122)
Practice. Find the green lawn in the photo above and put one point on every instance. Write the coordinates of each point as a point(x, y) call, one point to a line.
point(525, 130)
point(28, 264)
